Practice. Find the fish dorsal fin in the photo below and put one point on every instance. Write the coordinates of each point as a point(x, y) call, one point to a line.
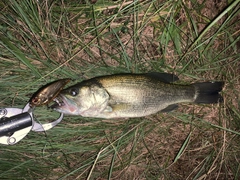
point(164, 77)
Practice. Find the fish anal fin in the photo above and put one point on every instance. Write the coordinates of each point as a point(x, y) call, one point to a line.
point(170, 108)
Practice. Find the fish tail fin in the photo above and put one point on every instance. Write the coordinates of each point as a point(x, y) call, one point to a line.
point(208, 92)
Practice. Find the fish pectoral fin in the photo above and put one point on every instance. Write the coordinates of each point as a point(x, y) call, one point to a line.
point(116, 108)
point(108, 109)
point(170, 108)
point(164, 77)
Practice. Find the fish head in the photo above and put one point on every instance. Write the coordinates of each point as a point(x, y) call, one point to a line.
point(84, 100)
point(71, 100)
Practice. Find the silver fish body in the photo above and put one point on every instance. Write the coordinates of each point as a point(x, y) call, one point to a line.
point(132, 95)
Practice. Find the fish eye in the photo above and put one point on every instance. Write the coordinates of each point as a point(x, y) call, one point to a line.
point(74, 92)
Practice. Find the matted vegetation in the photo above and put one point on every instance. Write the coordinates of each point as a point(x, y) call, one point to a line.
point(197, 40)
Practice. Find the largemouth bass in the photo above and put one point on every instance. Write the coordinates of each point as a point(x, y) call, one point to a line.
point(132, 95)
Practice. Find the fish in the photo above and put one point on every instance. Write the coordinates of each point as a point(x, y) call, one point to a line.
point(48, 92)
point(133, 95)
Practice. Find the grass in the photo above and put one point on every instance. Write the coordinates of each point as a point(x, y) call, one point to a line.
point(42, 41)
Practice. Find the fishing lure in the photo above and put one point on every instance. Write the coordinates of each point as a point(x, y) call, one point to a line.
point(48, 92)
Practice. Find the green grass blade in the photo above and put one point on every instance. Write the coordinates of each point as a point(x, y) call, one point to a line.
point(19, 55)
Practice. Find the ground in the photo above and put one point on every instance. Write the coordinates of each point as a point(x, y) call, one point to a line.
point(42, 41)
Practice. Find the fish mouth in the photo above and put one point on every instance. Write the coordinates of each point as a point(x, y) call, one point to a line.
point(64, 105)
point(58, 102)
